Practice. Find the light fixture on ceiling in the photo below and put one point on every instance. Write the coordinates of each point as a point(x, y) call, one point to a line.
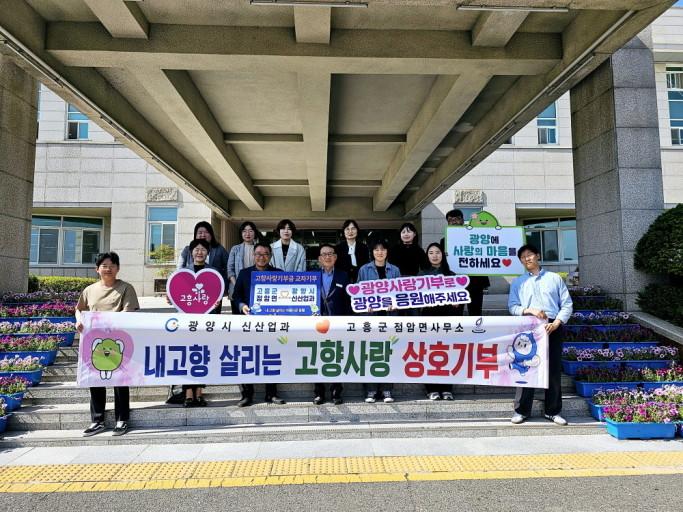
point(312, 3)
point(510, 8)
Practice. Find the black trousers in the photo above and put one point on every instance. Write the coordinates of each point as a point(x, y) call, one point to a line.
point(524, 397)
point(474, 308)
point(439, 388)
point(247, 390)
point(335, 390)
point(98, 402)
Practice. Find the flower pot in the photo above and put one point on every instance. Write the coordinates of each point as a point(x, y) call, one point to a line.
point(46, 358)
point(51, 319)
point(654, 385)
point(596, 410)
point(588, 389)
point(571, 367)
point(13, 401)
point(66, 338)
point(33, 376)
point(3, 422)
point(612, 345)
point(640, 430)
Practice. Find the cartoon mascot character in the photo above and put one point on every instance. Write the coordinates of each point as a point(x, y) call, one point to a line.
point(522, 353)
point(107, 355)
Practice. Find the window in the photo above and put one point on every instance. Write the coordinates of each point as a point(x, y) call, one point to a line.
point(674, 85)
point(76, 124)
point(161, 227)
point(65, 240)
point(546, 123)
point(555, 238)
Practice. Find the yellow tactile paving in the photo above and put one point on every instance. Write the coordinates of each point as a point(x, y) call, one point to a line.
point(186, 475)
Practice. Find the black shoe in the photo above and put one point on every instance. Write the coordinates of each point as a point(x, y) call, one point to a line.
point(245, 401)
point(319, 400)
point(189, 402)
point(200, 402)
point(93, 429)
point(120, 428)
point(337, 400)
point(275, 400)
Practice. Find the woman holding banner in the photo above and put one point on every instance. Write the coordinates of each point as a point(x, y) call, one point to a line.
point(378, 268)
point(438, 265)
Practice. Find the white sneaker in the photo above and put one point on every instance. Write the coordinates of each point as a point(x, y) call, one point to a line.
point(434, 396)
point(370, 399)
point(517, 418)
point(387, 397)
point(557, 420)
point(447, 395)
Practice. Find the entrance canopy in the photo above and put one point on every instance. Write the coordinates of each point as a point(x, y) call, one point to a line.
point(323, 109)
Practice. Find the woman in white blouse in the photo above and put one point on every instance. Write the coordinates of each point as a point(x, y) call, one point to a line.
point(288, 255)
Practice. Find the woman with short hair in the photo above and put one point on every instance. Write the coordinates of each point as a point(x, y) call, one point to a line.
point(241, 256)
point(351, 254)
point(288, 255)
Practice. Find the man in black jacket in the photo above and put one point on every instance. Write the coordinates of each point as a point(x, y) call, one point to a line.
point(241, 296)
point(335, 301)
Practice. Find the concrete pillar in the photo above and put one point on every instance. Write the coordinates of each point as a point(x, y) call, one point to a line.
point(18, 128)
point(617, 167)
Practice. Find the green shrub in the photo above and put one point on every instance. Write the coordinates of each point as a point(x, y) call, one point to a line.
point(33, 283)
point(660, 250)
point(64, 284)
point(664, 301)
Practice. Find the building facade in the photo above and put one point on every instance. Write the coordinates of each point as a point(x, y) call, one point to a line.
point(92, 194)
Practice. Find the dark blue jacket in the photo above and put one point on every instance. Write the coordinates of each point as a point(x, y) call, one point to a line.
point(336, 302)
point(242, 289)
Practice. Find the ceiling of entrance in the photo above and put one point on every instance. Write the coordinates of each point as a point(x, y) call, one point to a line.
point(309, 111)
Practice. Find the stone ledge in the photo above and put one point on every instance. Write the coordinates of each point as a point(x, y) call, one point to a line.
point(662, 327)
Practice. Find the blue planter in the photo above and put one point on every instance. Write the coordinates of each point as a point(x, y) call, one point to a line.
point(67, 338)
point(33, 376)
point(51, 319)
point(589, 311)
point(3, 423)
point(46, 358)
point(13, 401)
point(601, 328)
point(612, 345)
point(655, 385)
point(641, 430)
point(588, 389)
point(571, 367)
point(596, 410)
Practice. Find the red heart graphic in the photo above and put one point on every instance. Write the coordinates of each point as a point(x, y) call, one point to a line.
point(195, 293)
point(352, 289)
point(462, 280)
point(322, 326)
point(507, 262)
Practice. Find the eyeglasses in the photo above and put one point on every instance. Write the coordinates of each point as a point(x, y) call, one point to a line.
point(328, 254)
point(262, 254)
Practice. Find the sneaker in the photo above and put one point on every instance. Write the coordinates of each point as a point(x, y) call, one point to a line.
point(200, 402)
point(275, 400)
point(370, 399)
point(245, 401)
point(434, 396)
point(189, 402)
point(517, 418)
point(387, 397)
point(318, 400)
point(94, 428)
point(120, 428)
point(447, 395)
point(557, 420)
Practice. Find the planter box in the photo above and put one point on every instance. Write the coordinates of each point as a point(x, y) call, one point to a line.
point(655, 385)
point(612, 345)
point(13, 401)
point(640, 430)
point(603, 311)
point(601, 328)
point(67, 338)
point(46, 358)
point(571, 367)
point(3, 423)
point(588, 389)
point(596, 410)
point(51, 319)
point(33, 376)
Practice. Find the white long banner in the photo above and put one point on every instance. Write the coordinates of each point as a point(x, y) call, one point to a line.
point(150, 349)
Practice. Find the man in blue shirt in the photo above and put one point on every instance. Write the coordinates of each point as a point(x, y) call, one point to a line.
point(544, 295)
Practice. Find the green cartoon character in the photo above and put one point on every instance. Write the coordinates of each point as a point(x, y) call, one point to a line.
point(107, 355)
point(483, 220)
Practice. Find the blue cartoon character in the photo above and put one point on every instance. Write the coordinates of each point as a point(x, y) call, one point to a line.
point(522, 353)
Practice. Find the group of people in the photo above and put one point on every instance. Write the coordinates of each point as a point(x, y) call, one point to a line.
point(538, 292)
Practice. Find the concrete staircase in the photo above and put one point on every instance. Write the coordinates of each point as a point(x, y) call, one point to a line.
point(55, 412)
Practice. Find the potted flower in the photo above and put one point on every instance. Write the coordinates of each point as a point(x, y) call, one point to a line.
point(619, 396)
point(659, 377)
point(65, 331)
point(44, 347)
point(650, 420)
point(37, 297)
point(3, 416)
point(590, 380)
point(601, 320)
point(646, 357)
point(12, 391)
point(54, 311)
point(27, 367)
point(591, 337)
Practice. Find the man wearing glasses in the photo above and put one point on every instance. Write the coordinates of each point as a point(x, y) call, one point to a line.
point(334, 302)
point(262, 254)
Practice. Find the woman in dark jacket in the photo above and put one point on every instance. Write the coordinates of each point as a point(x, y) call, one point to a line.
point(408, 256)
point(351, 254)
point(439, 265)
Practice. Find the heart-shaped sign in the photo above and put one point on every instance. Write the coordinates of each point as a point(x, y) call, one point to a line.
point(195, 293)
point(462, 280)
point(352, 289)
point(507, 262)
